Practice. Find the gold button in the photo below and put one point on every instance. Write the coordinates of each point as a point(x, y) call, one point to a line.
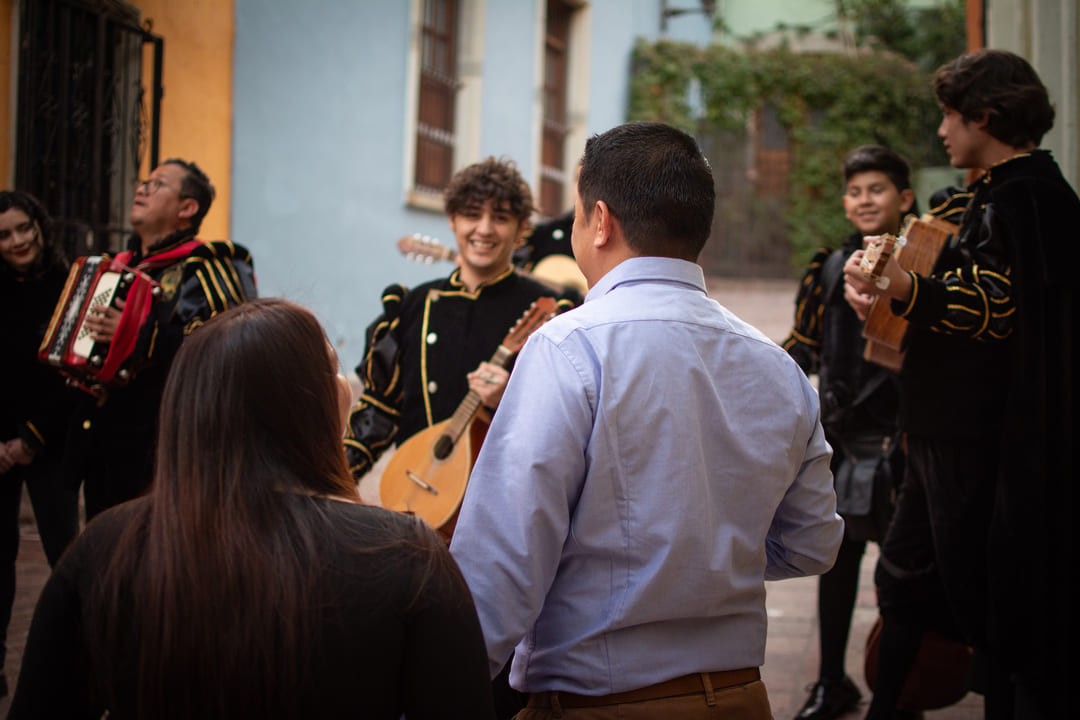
point(85, 424)
point(432, 387)
point(432, 338)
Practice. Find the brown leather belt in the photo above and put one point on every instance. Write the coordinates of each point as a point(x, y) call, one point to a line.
point(685, 685)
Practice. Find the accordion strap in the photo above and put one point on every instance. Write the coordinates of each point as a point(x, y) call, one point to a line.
point(137, 304)
point(162, 259)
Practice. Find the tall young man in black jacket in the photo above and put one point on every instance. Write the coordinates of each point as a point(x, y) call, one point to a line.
point(986, 405)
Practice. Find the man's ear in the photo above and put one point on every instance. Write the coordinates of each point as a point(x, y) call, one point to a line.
point(602, 220)
point(188, 208)
point(907, 199)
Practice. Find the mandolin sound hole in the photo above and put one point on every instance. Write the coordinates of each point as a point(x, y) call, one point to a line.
point(443, 447)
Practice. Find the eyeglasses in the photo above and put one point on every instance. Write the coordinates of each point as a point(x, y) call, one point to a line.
point(152, 186)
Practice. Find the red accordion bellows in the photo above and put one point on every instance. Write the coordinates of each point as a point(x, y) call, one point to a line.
point(98, 281)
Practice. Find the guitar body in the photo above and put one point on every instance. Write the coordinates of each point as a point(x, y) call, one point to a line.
point(560, 271)
point(885, 333)
point(445, 477)
point(428, 473)
point(937, 678)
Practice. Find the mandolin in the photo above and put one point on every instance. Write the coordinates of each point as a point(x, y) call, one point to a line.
point(428, 473)
point(558, 272)
point(916, 249)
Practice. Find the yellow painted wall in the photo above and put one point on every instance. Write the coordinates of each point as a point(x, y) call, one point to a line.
point(196, 110)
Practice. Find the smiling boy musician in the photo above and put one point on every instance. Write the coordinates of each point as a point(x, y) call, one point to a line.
point(431, 344)
point(858, 404)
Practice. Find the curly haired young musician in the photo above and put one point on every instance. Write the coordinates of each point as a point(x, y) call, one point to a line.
point(432, 344)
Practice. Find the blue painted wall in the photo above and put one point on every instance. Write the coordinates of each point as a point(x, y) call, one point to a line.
point(319, 122)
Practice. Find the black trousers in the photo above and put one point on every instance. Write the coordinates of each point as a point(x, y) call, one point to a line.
point(837, 592)
point(932, 571)
point(56, 511)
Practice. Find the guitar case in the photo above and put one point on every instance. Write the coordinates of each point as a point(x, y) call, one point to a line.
point(938, 677)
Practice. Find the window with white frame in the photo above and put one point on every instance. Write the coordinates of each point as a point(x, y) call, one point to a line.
point(438, 87)
point(446, 78)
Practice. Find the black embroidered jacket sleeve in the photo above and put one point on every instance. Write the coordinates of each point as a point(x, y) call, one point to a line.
point(969, 294)
point(804, 341)
point(214, 277)
point(373, 421)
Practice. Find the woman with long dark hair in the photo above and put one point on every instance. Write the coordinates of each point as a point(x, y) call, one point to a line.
point(34, 402)
point(250, 581)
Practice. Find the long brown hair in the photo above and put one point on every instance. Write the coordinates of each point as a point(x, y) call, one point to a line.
point(209, 591)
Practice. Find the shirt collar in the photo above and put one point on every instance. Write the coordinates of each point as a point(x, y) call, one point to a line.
point(168, 242)
point(638, 269)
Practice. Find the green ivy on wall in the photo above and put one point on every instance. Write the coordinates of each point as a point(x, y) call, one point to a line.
point(828, 103)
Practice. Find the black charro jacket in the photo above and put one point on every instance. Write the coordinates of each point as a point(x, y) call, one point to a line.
point(418, 352)
point(206, 279)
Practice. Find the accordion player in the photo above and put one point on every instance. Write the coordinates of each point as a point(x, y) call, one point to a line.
point(69, 344)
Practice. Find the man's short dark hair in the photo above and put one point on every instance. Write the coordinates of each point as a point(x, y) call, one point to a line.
point(196, 186)
point(489, 179)
point(657, 184)
point(870, 158)
point(1001, 86)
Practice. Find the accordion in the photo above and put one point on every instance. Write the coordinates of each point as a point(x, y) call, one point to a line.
point(69, 344)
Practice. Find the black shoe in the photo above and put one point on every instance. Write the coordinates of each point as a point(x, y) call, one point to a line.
point(830, 699)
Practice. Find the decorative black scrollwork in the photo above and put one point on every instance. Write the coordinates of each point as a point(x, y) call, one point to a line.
point(89, 100)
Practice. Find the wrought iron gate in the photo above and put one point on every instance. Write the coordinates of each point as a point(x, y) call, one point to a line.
point(84, 121)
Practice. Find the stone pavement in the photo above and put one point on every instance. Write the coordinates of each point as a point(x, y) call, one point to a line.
point(791, 655)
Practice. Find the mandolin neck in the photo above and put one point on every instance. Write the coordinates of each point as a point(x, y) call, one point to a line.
point(471, 404)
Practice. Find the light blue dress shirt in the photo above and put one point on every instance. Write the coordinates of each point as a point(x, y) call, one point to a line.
point(653, 461)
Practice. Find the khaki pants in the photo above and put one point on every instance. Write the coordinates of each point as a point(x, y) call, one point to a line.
point(740, 702)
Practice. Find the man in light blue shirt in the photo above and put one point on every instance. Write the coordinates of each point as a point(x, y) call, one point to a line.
point(653, 461)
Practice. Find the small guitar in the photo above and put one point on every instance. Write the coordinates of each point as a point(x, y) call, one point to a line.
point(937, 677)
point(428, 474)
point(916, 249)
point(558, 272)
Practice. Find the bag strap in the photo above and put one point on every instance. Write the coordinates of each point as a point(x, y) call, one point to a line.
point(831, 272)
